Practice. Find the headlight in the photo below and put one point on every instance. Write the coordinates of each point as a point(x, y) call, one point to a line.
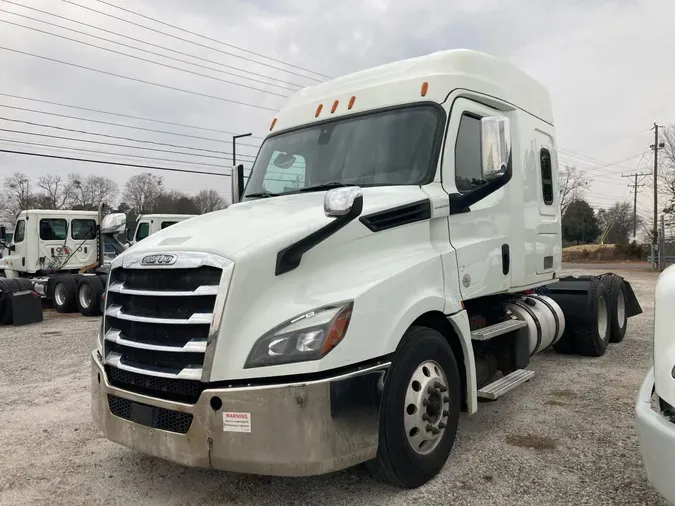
point(306, 337)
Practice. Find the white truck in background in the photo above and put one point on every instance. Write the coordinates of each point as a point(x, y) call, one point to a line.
point(148, 224)
point(62, 254)
point(407, 266)
point(655, 407)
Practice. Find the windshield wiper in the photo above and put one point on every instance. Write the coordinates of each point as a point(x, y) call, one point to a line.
point(324, 186)
point(262, 195)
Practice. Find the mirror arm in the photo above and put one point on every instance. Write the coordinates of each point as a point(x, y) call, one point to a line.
point(461, 202)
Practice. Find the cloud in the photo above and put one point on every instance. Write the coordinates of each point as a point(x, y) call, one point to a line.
point(604, 62)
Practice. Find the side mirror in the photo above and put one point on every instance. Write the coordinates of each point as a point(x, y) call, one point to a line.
point(3, 234)
point(342, 201)
point(495, 146)
point(237, 177)
point(114, 223)
point(11, 248)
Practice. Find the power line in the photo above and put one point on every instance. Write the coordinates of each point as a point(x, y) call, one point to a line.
point(96, 151)
point(65, 138)
point(143, 141)
point(112, 32)
point(166, 86)
point(147, 60)
point(190, 41)
point(213, 40)
point(103, 162)
point(121, 125)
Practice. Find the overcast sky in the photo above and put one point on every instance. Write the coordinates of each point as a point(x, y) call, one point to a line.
point(605, 62)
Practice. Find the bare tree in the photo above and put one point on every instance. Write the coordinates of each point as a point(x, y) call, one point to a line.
point(667, 168)
point(16, 197)
point(208, 201)
point(90, 191)
point(142, 191)
point(572, 183)
point(57, 192)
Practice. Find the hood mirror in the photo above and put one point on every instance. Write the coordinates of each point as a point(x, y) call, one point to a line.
point(114, 223)
point(342, 201)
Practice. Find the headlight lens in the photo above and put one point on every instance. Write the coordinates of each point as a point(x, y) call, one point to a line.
point(307, 337)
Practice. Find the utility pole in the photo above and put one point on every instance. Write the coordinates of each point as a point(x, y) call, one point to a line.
point(655, 230)
point(635, 184)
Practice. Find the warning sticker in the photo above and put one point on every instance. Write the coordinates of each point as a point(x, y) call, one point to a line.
point(236, 422)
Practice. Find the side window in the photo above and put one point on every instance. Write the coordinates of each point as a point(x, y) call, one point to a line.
point(468, 171)
point(82, 230)
point(546, 176)
point(53, 229)
point(285, 172)
point(19, 231)
point(167, 224)
point(143, 231)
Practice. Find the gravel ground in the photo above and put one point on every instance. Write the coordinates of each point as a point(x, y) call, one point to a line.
point(566, 437)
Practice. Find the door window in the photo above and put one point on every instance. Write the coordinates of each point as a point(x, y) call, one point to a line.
point(53, 229)
point(20, 231)
point(468, 171)
point(143, 231)
point(82, 230)
point(167, 224)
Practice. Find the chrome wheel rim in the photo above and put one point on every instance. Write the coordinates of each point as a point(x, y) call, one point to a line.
point(603, 319)
point(427, 407)
point(621, 308)
point(60, 294)
point(85, 296)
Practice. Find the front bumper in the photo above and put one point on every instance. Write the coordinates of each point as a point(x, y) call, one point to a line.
point(296, 429)
point(657, 441)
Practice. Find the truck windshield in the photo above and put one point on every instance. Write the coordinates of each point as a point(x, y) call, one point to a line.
point(394, 147)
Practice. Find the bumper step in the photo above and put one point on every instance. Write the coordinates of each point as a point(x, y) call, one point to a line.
point(497, 329)
point(498, 388)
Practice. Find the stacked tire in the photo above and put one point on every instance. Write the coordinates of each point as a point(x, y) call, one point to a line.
point(595, 313)
point(7, 287)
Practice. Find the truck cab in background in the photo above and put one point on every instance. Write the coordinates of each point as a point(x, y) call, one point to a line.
point(148, 224)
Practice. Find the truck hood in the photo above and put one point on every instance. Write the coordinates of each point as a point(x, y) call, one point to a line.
point(230, 231)
point(664, 336)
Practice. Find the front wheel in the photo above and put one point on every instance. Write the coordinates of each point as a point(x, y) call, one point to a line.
point(419, 411)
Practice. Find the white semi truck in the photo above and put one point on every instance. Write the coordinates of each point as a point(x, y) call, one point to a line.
point(393, 258)
point(655, 408)
point(148, 224)
point(60, 255)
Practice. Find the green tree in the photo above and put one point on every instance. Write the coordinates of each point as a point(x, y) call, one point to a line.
point(579, 223)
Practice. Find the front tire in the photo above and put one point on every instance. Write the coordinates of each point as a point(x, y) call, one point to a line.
point(419, 410)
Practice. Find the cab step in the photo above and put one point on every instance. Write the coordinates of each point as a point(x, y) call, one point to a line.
point(497, 329)
point(505, 384)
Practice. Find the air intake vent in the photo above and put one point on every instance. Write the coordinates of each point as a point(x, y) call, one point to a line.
point(402, 215)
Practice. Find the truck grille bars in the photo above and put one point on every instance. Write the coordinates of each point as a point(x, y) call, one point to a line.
point(162, 315)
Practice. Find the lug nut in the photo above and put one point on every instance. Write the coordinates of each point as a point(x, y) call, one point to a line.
point(429, 427)
point(435, 430)
point(426, 418)
point(431, 389)
point(446, 412)
point(425, 402)
point(446, 398)
point(441, 425)
point(443, 388)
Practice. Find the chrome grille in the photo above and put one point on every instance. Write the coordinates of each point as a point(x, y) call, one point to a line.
point(159, 320)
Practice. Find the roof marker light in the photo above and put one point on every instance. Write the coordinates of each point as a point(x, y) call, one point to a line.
point(332, 109)
point(425, 87)
point(274, 122)
point(318, 110)
point(351, 102)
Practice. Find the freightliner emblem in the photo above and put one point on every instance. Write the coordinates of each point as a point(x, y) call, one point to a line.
point(159, 260)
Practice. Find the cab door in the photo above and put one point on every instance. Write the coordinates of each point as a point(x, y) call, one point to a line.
point(53, 248)
point(82, 240)
point(18, 248)
point(480, 233)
